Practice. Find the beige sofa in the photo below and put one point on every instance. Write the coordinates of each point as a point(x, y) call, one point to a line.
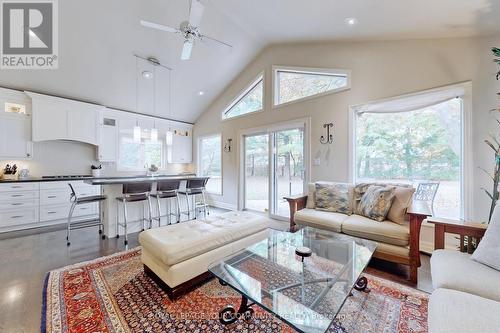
point(466, 296)
point(397, 243)
point(177, 256)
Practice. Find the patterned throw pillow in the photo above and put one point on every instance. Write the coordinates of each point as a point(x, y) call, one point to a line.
point(334, 197)
point(376, 202)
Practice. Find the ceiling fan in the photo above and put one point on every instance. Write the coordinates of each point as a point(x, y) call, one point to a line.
point(188, 29)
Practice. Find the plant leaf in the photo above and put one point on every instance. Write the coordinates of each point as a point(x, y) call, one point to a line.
point(487, 173)
point(491, 145)
point(488, 193)
point(496, 51)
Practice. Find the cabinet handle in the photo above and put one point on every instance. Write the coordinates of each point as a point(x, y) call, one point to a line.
point(52, 196)
point(16, 195)
point(84, 208)
point(16, 204)
point(51, 212)
point(16, 216)
point(16, 186)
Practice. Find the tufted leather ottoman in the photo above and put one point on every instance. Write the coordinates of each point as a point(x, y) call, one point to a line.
point(177, 256)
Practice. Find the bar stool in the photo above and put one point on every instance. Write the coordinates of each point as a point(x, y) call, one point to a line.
point(133, 192)
point(76, 200)
point(167, 189)
point(194, 187)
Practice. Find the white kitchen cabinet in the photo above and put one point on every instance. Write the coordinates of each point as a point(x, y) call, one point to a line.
point(15, 128)
point(57, 118)
point(181, 149)
point(15, 136)
point(108, 143)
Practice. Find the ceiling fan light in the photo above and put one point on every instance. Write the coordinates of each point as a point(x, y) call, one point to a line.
point(186, 50)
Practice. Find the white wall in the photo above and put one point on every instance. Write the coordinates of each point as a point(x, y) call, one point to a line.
point(379, 70)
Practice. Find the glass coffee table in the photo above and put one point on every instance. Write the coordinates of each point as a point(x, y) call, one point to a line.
point(303, 278)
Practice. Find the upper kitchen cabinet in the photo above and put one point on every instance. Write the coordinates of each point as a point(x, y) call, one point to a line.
point(180, 145)
point(110, 126)
point(15, 125)
point(56, 118)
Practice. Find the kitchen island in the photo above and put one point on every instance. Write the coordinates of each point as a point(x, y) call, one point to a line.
point(112, 188)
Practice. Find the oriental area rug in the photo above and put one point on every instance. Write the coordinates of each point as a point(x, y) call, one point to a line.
point(113, 294)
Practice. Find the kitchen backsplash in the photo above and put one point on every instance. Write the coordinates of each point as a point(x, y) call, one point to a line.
point(74, 158)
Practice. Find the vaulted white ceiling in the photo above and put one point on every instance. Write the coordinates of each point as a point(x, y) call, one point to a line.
point(97, 40)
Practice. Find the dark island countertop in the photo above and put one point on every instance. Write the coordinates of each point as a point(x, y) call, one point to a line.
point(101, 180)
point(135, 179)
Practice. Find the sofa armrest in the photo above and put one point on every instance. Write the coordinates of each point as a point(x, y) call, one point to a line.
point(296, 202)
point(417, 213)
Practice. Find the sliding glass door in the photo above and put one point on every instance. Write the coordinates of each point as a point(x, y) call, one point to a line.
point(274, 168)
point(257, 172)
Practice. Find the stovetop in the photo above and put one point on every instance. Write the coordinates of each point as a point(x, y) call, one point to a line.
point(66, 176)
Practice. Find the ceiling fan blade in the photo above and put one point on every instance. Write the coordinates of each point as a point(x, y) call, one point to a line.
point(195, 13)
point(159, 26)
point(204, 37)
point(186, 50)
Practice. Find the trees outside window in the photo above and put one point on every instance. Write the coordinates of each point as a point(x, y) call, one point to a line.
point(251, 100)
point(415, 146)
point(210, 162)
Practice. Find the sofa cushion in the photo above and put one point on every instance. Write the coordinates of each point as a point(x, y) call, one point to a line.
point(403, 196)
point(452, 311)
point(488, 251)
point(402, 200)
point(376, 202)
point(175, 243)
point(319, 219)
point(385, 231)
point(455, 270)
point(336, 197)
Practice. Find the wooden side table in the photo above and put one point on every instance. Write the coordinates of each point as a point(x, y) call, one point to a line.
point(471, 230)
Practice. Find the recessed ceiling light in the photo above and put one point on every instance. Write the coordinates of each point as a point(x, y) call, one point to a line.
point(351, 21)
point(201, 93)
point(147, 75)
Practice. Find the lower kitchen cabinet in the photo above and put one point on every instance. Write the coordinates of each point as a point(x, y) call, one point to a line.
point(36, 204)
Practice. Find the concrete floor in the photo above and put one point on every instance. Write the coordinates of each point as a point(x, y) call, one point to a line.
point(26, 257)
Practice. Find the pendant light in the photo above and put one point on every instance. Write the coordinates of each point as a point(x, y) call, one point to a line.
point(137, 132)
point(137, 128)
point(170, 135)
point(154, 133)
point(154, 130)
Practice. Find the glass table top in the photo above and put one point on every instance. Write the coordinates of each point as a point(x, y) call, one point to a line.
point(305, 294)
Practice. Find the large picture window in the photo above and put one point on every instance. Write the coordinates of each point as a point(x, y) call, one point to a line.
point(210, 162)
point(137, 155)
point(294, 84)
point(251, 100)
point(418, 146)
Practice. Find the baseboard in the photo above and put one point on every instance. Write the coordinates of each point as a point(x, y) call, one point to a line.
point(220, 204)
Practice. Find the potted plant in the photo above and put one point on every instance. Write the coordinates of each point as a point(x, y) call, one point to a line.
point(96, 170)
point(10, 172)
point(494, 144)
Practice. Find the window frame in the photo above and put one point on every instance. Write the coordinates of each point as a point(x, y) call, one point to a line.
point(260, 77)
point(306, 70)
point(467, 166)
point(198, 160)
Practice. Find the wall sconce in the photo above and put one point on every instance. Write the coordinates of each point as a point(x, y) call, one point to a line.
point(329, 137)
point(227, 145)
